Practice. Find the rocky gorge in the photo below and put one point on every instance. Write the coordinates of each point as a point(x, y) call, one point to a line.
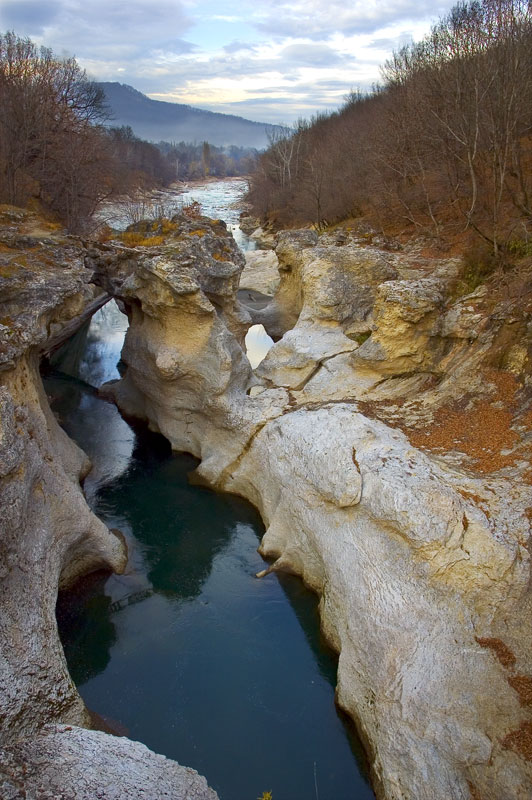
point(384, 439)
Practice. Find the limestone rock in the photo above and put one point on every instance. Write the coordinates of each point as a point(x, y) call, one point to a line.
point(414, 561)
point(323, 282)
point(261, 272)
point(264, 237)
point(407, 571)
point(48, 535)
point(296, 357)
point(423, 569)
point(461, 321)
point(64, 762)
point(405, 324)
point(248, 223)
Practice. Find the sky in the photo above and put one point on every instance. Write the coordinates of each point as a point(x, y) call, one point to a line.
point(270, 61)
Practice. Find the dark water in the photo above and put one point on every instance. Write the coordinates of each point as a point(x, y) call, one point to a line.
point(188, 651)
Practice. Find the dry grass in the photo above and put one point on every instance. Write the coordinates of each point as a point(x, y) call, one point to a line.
point(134, 239)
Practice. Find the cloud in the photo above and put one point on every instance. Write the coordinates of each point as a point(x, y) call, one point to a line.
point(101, 29)
point(32, 15)
point(316, 19)
point(275, 58)
point(238, 47)
point(310, 54)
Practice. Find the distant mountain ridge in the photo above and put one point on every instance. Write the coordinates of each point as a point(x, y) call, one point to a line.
point(156, 120)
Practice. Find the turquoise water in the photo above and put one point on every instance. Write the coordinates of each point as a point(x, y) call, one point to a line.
point(188, 651)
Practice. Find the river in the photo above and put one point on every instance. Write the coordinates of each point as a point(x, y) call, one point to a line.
point(188, 652)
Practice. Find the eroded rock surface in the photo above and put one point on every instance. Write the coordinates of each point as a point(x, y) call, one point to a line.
point(66, 763)
point(49, 537)
point(261, 272)
point(421, 559)
point(385, 441)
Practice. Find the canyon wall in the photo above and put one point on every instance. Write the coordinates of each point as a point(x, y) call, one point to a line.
point(384, 439)
point(49, 538)
point(351, 438)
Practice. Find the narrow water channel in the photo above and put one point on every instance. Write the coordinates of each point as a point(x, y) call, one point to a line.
point(188, 652)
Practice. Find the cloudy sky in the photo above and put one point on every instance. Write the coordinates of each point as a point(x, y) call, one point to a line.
point(271, 60)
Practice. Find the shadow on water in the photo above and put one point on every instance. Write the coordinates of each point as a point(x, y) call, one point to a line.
point(86, 628)
point(305, 605)
point(173, 521)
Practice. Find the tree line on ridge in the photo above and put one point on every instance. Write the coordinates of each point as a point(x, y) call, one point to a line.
point(57, 149)
point(444, 145)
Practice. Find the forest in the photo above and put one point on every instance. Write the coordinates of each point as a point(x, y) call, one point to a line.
point(58, 150)
point(443, 145)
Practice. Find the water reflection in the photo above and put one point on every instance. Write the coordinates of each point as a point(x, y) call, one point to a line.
point(87, 631)
point(194, 655)
point(180, 528)
point(95, 425)
point(93, 353)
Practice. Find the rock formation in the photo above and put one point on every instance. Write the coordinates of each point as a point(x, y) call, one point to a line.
point(384, 440)
point(420, 557)
point(62, 761)
point(49, 537)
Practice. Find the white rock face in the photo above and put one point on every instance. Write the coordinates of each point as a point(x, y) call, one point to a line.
point(297, 356)
point(406, 570)
point(48, 535)
point(261, 272)
point(423, 570)
point(68, 762)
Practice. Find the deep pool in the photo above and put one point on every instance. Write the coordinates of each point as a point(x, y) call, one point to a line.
point(188, 652)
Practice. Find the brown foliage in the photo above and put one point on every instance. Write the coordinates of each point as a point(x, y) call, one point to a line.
point(445, 144)
point(52, 145)
point(49, 147)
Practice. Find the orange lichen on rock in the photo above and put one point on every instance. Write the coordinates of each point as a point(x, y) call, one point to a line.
point(473, 791)
point(520, 741)
point(500, 650)
point(523, 686)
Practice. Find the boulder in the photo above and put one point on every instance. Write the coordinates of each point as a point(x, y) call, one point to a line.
point(63, 762)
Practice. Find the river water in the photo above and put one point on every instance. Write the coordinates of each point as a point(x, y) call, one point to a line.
point(188, 652)
point(218, 199)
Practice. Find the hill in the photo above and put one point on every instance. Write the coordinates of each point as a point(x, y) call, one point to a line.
point(156, 120)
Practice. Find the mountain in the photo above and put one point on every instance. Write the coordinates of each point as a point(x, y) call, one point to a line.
point(157, 121)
